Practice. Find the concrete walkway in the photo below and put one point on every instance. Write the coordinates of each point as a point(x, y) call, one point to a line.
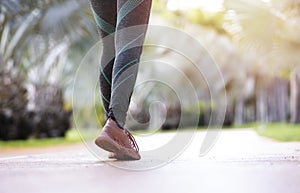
point(240, 162)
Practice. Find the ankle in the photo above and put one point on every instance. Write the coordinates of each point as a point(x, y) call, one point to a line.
point(112, 117)
point(116, 122)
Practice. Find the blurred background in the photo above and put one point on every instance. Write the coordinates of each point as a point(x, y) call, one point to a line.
point(255, 43)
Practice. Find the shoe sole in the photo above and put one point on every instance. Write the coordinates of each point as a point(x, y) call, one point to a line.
point(121, 153)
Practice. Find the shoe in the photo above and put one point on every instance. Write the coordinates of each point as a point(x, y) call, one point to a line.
point(118, 141)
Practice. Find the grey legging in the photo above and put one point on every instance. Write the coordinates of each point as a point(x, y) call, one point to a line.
point(121, 51)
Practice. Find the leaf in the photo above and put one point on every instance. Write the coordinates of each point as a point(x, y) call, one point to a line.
point(4, 38)
point(21, 33)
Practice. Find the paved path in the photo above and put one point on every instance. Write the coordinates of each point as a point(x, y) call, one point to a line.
point(240, 162)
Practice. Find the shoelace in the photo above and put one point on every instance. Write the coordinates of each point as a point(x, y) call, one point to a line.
point(132, 140)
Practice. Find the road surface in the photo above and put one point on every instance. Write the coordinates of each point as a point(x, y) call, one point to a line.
point(240, 162)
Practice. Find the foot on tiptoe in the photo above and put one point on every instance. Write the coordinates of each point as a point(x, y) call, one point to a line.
point(118, 141)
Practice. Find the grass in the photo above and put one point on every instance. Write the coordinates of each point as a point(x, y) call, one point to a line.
point(72, 136)
point(279, 131)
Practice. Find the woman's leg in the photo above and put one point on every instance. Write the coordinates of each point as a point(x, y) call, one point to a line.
point(105, 13)
point(128, 45)
point(119, 61)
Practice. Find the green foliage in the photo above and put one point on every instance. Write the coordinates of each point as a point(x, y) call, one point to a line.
point(211, 20)
point(100, 113)
point(201, 105)
point(159, 6)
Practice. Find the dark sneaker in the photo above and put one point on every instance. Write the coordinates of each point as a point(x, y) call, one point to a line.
point(118, 141)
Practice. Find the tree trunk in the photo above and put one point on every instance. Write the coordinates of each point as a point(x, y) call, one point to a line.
point(295, 97)
point(239, 110)
point(261, 100)
point(281, 93)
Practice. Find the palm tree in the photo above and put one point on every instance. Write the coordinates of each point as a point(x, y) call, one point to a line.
point(36, 37)
point(269, 32)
